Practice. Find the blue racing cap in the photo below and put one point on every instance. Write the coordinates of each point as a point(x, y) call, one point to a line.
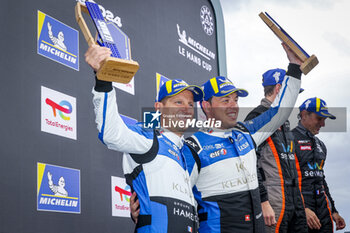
point(273, 77)
point(174, 87)
point(317, 106)
point(219, 87)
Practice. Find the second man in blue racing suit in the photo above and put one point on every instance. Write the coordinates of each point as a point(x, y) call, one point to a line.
point(222, 162)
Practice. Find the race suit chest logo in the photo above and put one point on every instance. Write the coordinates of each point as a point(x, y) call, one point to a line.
point(218, 153)
point(184, 210)
point(304, 145)
point(192, 144)
point(208, 147)
point(173, 150)
point(179, 188)
point(173, 153)
point(173, 146)
point(304, 142)
point(245, 177)
point(286, 156)
point(183, 187)
point(287, 153)
point(316, 169)
point(242, 146)
point(213, 146)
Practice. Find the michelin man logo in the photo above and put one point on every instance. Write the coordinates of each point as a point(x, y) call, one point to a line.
point(59, 189)
point(277, 75)
point(207, 20)
point(57, 41)
point(182, 35)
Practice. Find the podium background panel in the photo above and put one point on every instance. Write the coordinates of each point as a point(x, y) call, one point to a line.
point(155, 45)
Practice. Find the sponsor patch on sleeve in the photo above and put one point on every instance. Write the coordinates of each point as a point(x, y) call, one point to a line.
point(305, 147)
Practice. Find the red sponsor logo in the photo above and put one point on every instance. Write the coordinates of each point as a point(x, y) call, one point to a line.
point(122, 192)
point(247, 218)
point(223, 151)
point(305, 147)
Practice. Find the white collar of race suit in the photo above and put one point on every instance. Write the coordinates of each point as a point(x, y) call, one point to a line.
point(222, 133)
point(178, 141)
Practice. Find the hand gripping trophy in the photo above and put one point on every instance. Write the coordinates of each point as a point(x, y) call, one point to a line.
point(114, 68)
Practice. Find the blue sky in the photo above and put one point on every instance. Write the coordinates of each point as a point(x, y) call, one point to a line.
point(321, 28)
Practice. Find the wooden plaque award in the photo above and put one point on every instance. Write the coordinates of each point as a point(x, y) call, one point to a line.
point(115, 68)
point(309, 62)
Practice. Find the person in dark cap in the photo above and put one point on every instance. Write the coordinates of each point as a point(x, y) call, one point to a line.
point(311, 155)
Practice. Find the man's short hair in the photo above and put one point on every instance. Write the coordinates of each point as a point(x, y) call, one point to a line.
point(165, 99)
point(209, 100)
point(299, 114)
point(268, 90)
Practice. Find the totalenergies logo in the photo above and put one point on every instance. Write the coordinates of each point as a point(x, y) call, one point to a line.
point(315, 166)
point(123, 193)
point(63, 107)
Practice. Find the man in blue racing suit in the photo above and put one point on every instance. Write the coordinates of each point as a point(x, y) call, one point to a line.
point(153, 163)
point(222, 162)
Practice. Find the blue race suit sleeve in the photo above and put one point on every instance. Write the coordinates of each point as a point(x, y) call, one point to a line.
point(113, 132)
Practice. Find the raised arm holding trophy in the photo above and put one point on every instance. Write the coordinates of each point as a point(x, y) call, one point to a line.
point(118, 67)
